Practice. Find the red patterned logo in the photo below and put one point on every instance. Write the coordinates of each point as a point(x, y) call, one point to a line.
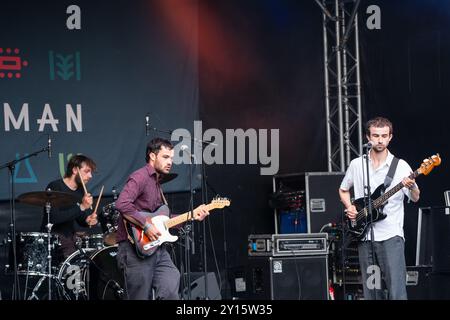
point(11, 63)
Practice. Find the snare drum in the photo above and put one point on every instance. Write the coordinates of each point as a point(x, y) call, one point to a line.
point(93, 241)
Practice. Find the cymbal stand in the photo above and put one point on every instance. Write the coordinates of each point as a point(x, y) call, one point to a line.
point(11, 165)
point(48, 208)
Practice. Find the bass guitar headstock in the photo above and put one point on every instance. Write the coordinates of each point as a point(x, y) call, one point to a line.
point(429, 163)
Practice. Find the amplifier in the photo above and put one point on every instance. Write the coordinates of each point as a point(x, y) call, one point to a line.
point(260, 245)
point(300, 244)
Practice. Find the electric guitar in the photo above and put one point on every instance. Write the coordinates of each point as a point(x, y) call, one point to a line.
point(160, 219)
point(359, 226)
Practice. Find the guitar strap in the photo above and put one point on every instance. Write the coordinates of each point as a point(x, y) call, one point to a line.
point(126, 229)
point(126, 222)
point(162, 196)
point(391, 172)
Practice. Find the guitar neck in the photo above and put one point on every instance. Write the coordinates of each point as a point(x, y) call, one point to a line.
point(184, 217)
point(385, 197)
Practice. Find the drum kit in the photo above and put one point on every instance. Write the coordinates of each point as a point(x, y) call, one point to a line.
point(90, 273)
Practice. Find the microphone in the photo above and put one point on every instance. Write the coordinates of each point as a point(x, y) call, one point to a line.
point(185, 148)
point(147, 124)
point(49, 147)
point(367, 145)
point(119, 290)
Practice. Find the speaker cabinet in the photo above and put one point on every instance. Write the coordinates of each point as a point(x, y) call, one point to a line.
point(322, 202)
point(418, 282)
point(199, 286)
point(288, 278)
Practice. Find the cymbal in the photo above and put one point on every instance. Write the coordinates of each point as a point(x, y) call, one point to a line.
point(167, 177)
point(56, 199)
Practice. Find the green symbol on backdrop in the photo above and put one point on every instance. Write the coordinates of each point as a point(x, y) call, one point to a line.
point(62, 164)
point(64, 67)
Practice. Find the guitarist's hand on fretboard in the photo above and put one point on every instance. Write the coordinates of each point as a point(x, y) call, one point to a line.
point(351, 212)
point(151, 232)
point(200, 212)
point(409, 183)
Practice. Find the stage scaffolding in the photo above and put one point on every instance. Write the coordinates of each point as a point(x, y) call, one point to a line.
point(342, 82)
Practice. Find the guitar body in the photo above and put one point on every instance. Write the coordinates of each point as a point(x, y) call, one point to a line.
point(162, 222)
point(360, 226)
point(145, 247)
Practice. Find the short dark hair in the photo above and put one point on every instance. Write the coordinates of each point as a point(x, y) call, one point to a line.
point(77, 161)
point(379, 122)
point(155, 145)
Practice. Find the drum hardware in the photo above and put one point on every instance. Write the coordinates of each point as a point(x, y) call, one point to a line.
point(59, 286)
point(48, 199)
point(11, 166)
point(111, 216)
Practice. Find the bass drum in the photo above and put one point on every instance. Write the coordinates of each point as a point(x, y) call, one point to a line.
point(105, 278)
point(72, 274)
point(93, 275)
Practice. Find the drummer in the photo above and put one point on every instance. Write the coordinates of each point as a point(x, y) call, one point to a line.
point(64, 218)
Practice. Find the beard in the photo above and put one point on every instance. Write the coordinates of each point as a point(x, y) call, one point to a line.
point(379, 148)
point(78, 181)
point(162, 170)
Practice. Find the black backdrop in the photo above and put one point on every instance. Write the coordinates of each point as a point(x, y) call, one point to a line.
point(260, 65)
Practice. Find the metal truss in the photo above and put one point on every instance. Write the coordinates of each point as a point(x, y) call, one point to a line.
point(342, 82)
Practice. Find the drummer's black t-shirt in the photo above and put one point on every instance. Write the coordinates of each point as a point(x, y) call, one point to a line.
point(63, 218)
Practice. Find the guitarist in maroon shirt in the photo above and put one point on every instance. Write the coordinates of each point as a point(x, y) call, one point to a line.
point(142, 193)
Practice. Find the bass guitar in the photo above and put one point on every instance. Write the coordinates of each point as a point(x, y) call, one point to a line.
point(360, 225)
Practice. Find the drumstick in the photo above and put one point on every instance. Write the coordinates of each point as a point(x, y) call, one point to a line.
point(82, 182)
point(98, 201)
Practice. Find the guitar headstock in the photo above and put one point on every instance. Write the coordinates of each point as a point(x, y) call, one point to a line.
point(429, 163)
point(219, 203)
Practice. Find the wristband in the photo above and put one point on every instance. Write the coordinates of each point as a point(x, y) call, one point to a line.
point(147, 225)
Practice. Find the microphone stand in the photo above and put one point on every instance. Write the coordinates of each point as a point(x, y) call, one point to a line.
point(204, 200)
point(188, 229)
point(368, 205)
point(11, 165)
point(169, 132)
point(225, 246)
point(343, 256)
point(203, 237)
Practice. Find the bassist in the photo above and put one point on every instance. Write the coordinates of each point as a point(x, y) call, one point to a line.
point(388, 233)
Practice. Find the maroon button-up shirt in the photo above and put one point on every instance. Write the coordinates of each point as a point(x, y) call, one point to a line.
point(142, 192)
